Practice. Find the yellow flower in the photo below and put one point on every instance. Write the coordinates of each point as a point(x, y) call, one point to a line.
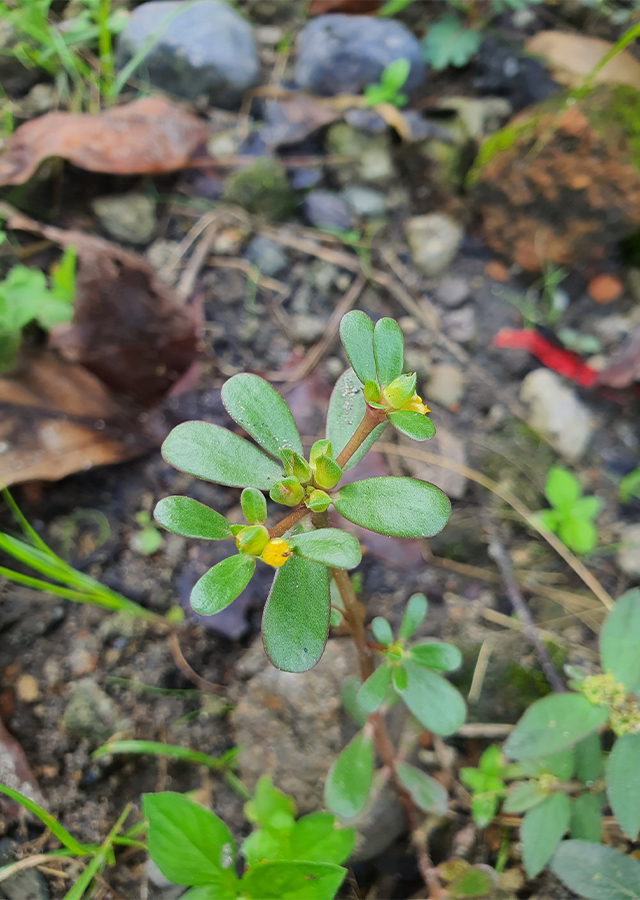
point(415, 404)
point(276, 553)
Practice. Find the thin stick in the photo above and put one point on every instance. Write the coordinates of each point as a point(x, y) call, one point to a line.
point(207, 686)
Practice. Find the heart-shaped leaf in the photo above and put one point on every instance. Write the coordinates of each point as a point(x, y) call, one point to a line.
point(329, 546)
point(427, 793)
point(554, 722)
point(413, 424)
point(596, 872)
point(185, 516)
point(372, 692)
point(356, 334)
point(436, 655)
point(222, 584)
point(261, 411)
point(349, 780)
point(215, 454)
point(434, 702)
point(414, 613)
point(619, 640)
point(541, 831)
point(388, 350)
point(399, 507)
point(622, 778)
point(347, 407)
point(295, 622)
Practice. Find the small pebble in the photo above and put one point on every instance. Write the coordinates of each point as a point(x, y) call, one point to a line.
point(27, 689)
point(496, 270)
point(452, 292)
point(267, 256)
point(460, 324)
point(434, 240)
point(327, 210)
point(365, 202)
point(445, 386)
point(605, 288)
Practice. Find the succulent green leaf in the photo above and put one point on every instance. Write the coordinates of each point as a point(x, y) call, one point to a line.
point(586, 817)
point(347, 407)
point(292, 880)
point(620, 638)
point(318, 838)
point(399, 507)
point(542, 830)
point(320, 448)
point(388, 350)
point(427, 793)
point(622, 778)
point(589, 761)
point(252, 539)
point(561, 488)
point(399, 678)
point(356, 334)
point(349, 697)
point(328, 473)
point(596, 872)
point(318, 501)
point(382, 630)
point(222, 584)
point(523, 796)
point(215, 454)
point(288, 491)
point(413, 424)
point(436, 655)
point(189, 844)
point(296, 465)
point(187, 517)
point(372, 692)
point(349, 780)
point(552, 723)
point(415, 611)
point(261, 411)
point(434, 702)
point(254, 506)
point(328, 546)
point(295, 622)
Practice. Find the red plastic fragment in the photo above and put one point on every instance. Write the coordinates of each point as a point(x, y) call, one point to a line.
point(556, 358)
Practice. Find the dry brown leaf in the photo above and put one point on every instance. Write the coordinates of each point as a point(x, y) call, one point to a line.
point(359, 7)
point(572, 56)
point(143, 137)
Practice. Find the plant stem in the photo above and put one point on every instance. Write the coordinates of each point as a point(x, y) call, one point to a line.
point(289, 521)
point(372, 418)
point(355, 621)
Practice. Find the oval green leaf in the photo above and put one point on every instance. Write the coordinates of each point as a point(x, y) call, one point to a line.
point(328, 546)
point(622, 779)
point(436, 655)
point(222, 584)
point(347, 407)
point(185, 516)
point(415, 611)
point(388, 350)
point(356, 334)
point(554, 722)
point(214, 454)
point(372, 692)
point(620, 638)
point(561, 488)
point(349, 780)
point(398, 507)
point(261, 411)
point(317, 838)
point(541, 831)
point(427, 793)
point(596, 872)
point(586, 817)
point(295, 622)
point(382, 630)
point(413, 424)
point(434, 702)
point(292, 880)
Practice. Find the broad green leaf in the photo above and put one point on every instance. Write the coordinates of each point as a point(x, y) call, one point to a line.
point(561, 488)
point(434, 702)
point(295, 622)
point(586, 817)
point(382, 630)
point(261, 411)
point(622, 779)
point(523, 796)
point(398, 507)
point(413, 424)
point(292, 880)
point(266, 844)
point(587, 507)
point(491, 761)
point(215, 454)
point(436, 655)
point(187, 517)
point(560, 764)
point(189, 844)
point(372, 692)
point(346, 410)
point(588, 759)
point(450, 43)
point(356, 334)
point(427, 793)
point(329, 546)
point(67, 840)
point(222, 584)
point(483, 808)
point(318, 838)
point(542, 830)
point(472, 882)
point(580, 535)
point(597, 872)
point(415, 611)
point(620, 639)
point(552, 723)
point(269, 807)
point(349, 780)
point(388, 350)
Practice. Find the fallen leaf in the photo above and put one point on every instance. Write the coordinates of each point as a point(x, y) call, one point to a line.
point(623, 368)
point(359, 7)
point(290, 121)
point(572, 56)
point(146, 136)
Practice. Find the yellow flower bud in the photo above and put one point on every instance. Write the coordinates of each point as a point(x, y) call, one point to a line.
point(276, 553)
point(252, 539)
point(415, 404)
point(401, 390)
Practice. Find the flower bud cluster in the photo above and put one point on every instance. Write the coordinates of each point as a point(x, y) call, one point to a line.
point(604, 690)
point(253, 539)
point(399, 395)
point(307, 482)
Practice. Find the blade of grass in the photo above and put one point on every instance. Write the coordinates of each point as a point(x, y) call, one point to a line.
point(27, 529)
point(99, 860)
point(47, 819)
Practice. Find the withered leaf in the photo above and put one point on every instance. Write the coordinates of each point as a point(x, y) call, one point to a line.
point(572, 56)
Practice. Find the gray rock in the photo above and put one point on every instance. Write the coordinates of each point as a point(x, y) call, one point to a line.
point(365, 202)
point(127, 217)
point(371, 153)
point(207, 49)
point(628, 556)
point(327, 210)
point(309, 329)
point(434, 240)
point(460, 324)
point(91, 714)
point(267, 256)
point(557, 413)
point(340, 54)
point(446, 385)
point(452, 292)
point(29, 884)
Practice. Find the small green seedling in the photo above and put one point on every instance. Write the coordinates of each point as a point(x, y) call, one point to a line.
point(487, 785)
point(148, 539)
point(629, 486)
point(388, 88)
point(572, 515)
point(450, 43)
point(25, 297)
